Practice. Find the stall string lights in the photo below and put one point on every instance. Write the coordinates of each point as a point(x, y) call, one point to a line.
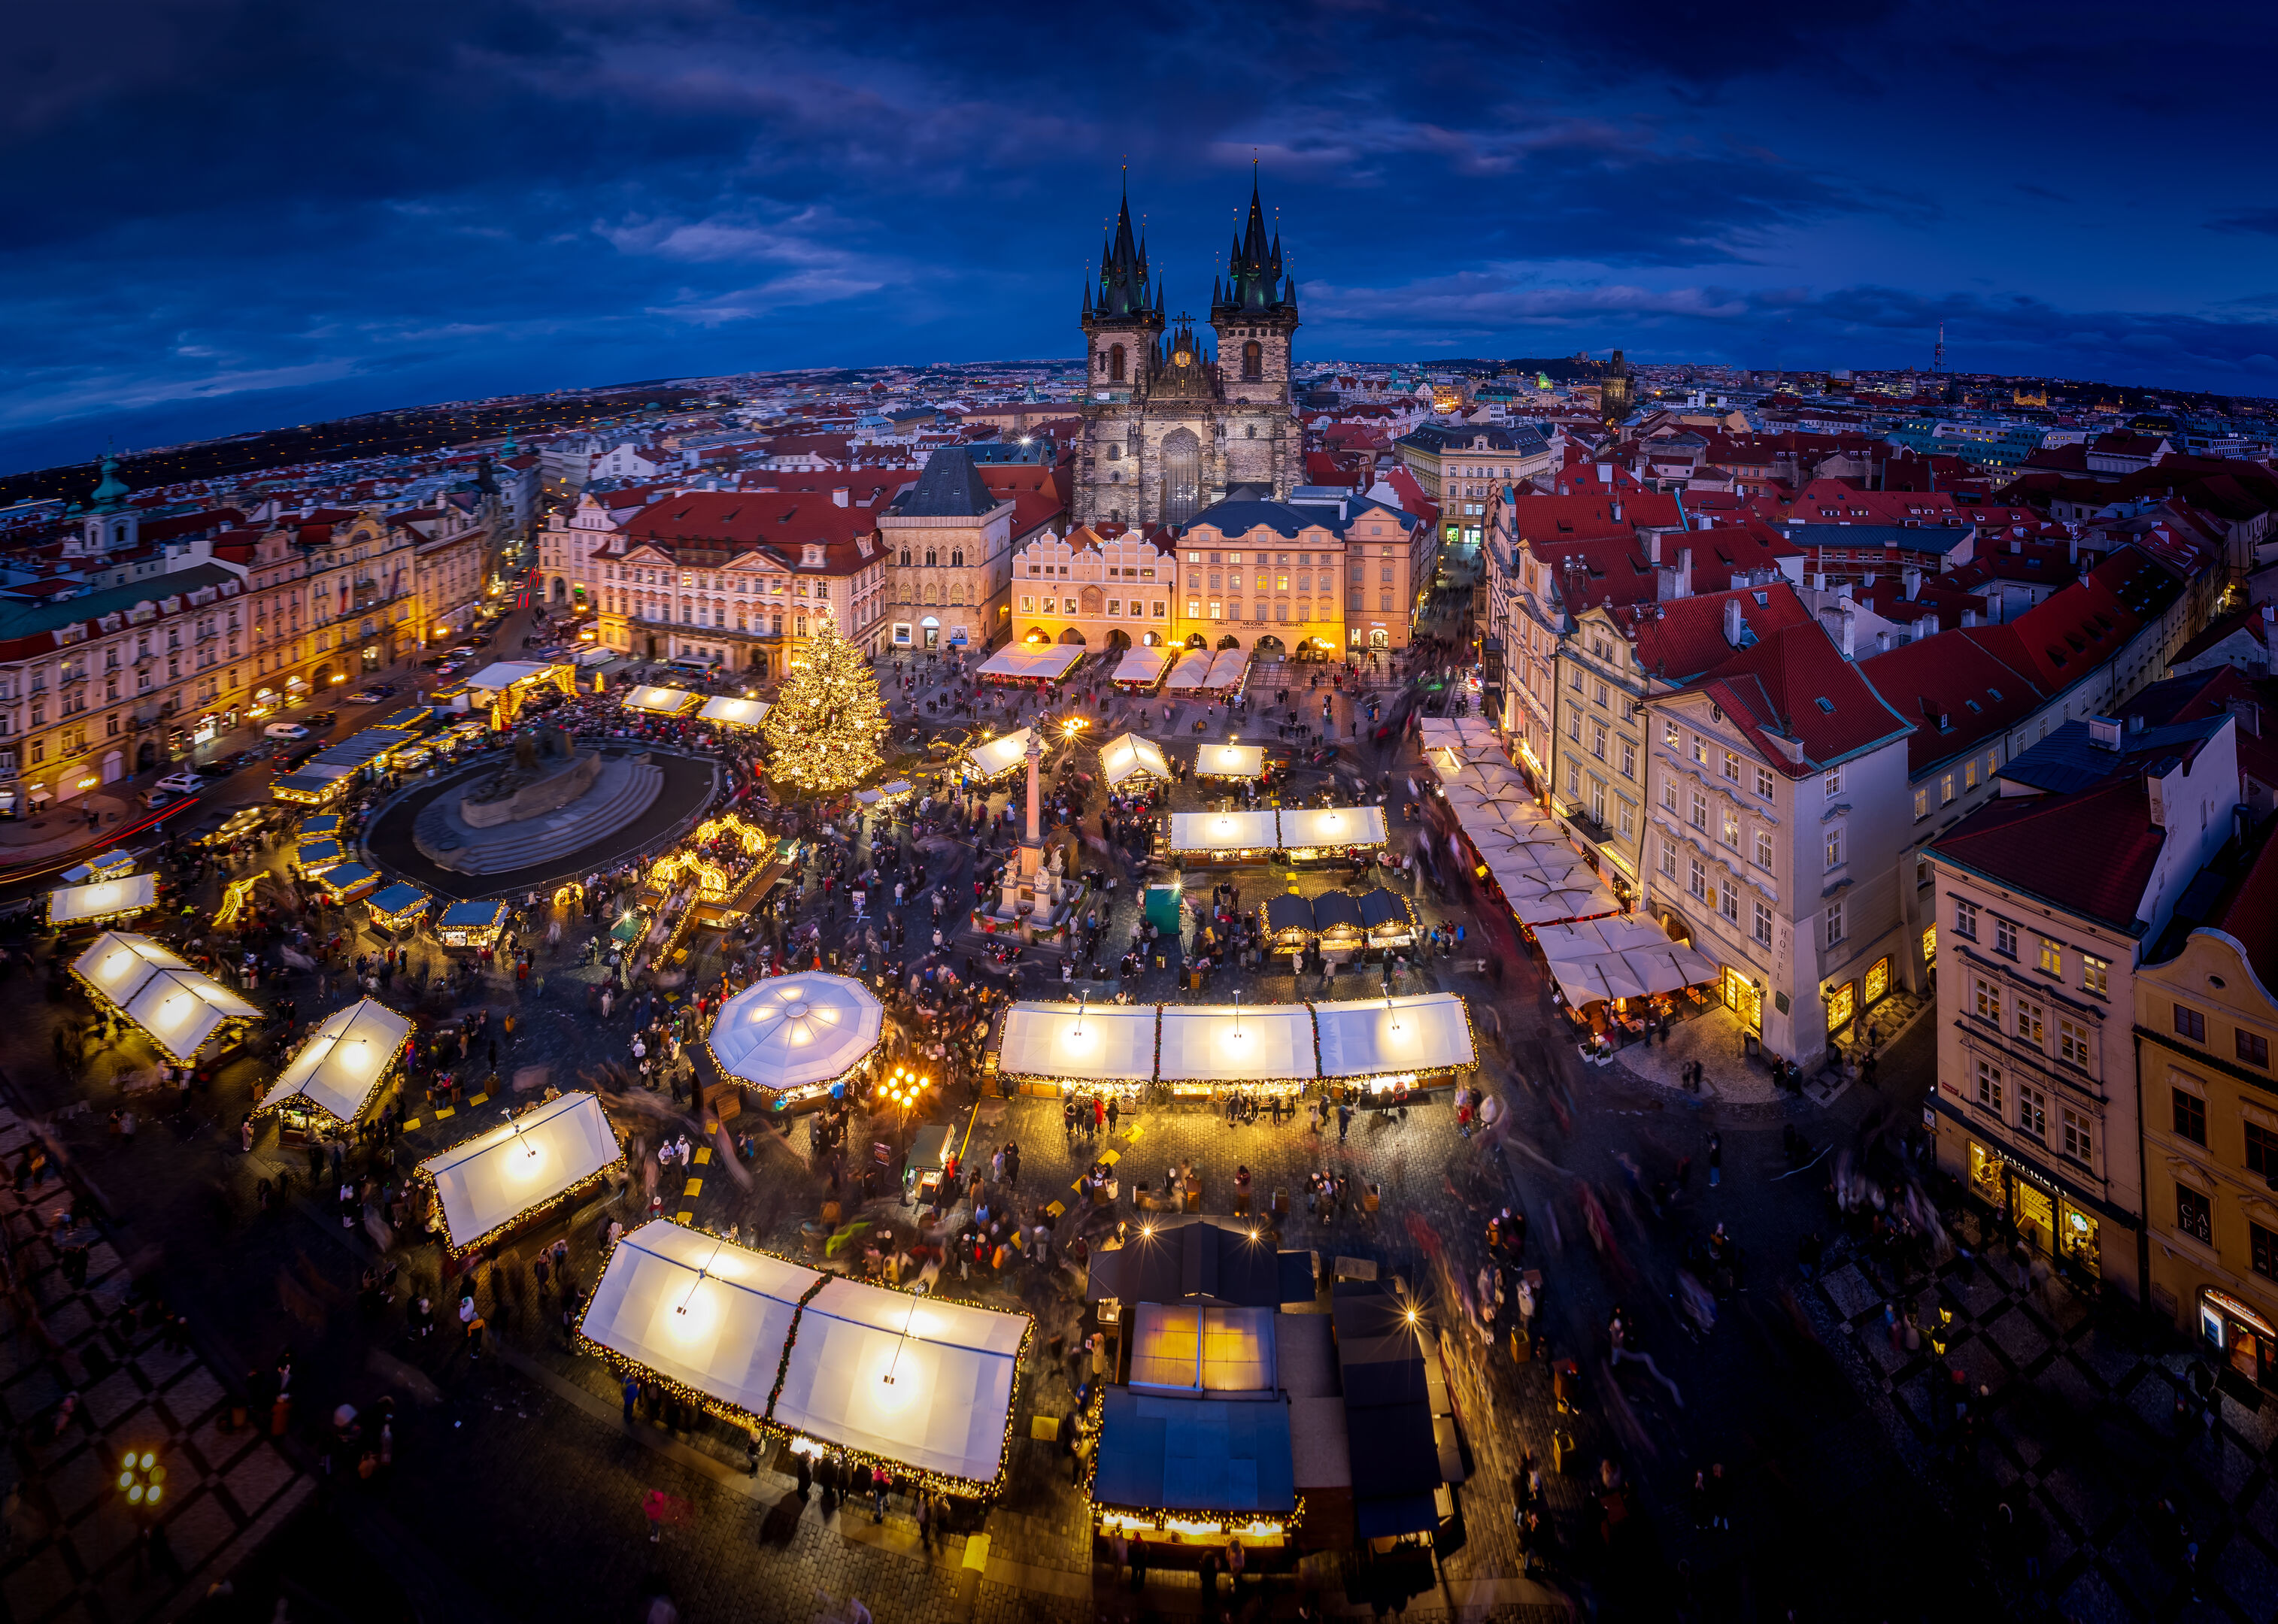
point(380, 1075)
point(568, 1196)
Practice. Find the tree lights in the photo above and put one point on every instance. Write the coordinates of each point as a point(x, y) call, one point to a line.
point(826, 724)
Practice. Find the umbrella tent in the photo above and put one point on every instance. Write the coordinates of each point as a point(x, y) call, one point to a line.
point(1141, 669)
point(1381, 1041)
point(102, 899)
point(1128, 756)
point(921, 1383)
point(796, 1034)
point(178, 1007)
point(1230, 761)
point(1108, 1045)
point(548, 1154)
point(994, 757)
point(1206, 1044)
point(702, 1314)
point(1191, 674)
point(1045, 662)
point(1229, 668)
point(661, 701)
point(727, 711)
point(341, 1066)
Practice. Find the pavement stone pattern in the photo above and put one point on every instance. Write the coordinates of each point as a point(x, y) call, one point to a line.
point(72, 1550)
point(2081, 1425)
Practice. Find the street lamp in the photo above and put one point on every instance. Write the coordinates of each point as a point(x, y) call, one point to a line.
point(142, 1479)
point(903, 1088)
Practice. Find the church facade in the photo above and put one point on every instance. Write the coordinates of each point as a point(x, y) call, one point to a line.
point(1169, 429)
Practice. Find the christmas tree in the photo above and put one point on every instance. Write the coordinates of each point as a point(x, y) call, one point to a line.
point(827, 722)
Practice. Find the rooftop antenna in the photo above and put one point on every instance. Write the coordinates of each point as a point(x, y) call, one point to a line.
point(1938, 352)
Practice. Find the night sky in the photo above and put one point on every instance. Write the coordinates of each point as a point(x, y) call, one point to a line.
point(226, 216)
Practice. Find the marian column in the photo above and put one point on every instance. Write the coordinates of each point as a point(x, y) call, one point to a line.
point(1019, 899)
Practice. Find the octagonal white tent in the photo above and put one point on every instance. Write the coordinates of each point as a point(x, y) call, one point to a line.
point(797, 1032)
point(921, 1382)
point(344, 1062)
point(522, 1165)
point(697, 1311)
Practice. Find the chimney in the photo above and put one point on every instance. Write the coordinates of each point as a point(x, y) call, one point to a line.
point(1968, 618)
point(1733, 622)
point(1653, 548)
point(1850, 635)
point(2103, 732)
point(2270, 615)
point(1618, 513)
point(2249, 715)
point(1910, 577)
point(1818, 580)
point(838, 494)
point(1926, 627)
point(2136, 723)
point(1882, 643)
point(1789, 746)
point(1685, 572)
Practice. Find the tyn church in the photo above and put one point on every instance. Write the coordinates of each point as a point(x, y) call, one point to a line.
point(1168, 429)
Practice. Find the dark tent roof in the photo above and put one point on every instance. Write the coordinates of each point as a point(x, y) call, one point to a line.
point(1332, 908)
point(1288, 911)
point(1197, 1257)
point(1176, 1453)
point(1387, 1392)
point(950, 488)
point(1383, 907)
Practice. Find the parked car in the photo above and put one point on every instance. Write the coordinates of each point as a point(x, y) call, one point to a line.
point(367, 695)
point(320, 719)
point(184, 783)
point(154, 797)
point(284, 730)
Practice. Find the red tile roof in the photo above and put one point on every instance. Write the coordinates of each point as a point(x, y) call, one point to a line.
point(1957, 690)
point(1684, 638)
point(2037, 843)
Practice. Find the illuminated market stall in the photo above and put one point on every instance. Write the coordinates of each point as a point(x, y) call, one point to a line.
point(994, 758)
point(1312, 834)
point(322, 826)
point(338, 1073)
point(728, 711)
point(1109, 1047)
point(1206, 1046)
point(1289, 920)
point(1230, 761)
point(102, 900)
point(1382, 1043)
point(661, 701)
point(1046, 662)
point(1128, 758)
point(505, 687)
point(108, 866)
point(797, 1035)
point(1388, 920)
point(347, 882)
point(1337, 927)
point(1226, 836)
point(179, 1008)
point(923, 1385)
point(472, 925)
point(314, 856)
point(522, 1169)
point(398, 907)
point(1140, 670)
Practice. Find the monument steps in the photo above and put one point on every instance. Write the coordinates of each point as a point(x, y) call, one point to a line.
point(618, 797)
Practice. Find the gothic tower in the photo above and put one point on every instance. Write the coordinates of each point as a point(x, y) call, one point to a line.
point(1254, 312)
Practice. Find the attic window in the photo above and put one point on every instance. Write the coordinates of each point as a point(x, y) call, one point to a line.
point(1763, 600)
point(1825, 705)
point(1973, 705)
point(1996, 694)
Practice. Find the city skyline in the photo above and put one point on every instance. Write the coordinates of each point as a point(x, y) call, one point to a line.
point(247, 224)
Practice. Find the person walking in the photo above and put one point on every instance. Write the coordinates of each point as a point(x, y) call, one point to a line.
point(1715, 1160)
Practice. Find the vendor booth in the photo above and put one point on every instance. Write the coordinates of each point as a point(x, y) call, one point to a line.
point(1129, 758)
point(1289, 922)
point(323, 825)
point(1224, 836)
point(101, 900)
point(661, 701)
point(506, 686)
point(179, 1008)
point(993, 759)
point(1230, 761)
point(472, 925)
point(1382, 1043)
point(797, 1036)
point(524, 1168)
point(312, 857)
point(726, 711)
point(1031, 662)
point(1315, 834)
point(399, 908)
point(1056, 1047)
point(1141, 669)
point(338, 1073)
point(347, 883)
point(109, 865)
point(1388, 921)
point(1337, 927)
point(1208, 1046)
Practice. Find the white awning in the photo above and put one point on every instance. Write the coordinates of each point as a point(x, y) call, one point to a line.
point(74, 904)
point(787, 1032)
point(1192, 672)
point(1141, 667)
point(1224, 832)
point(729, 711)
point(1229, 666)
point(1324, 828)
point(1128, 756)
point(1032, 662)
point(340, 1067)
point(921, 1382)
point(490, 1180)
point(179, 1007)
point(510, 674)
point(1230, 761)
point(1226, 1043)
point(697, 1311)
point(1093, 1043)
point(994, 757)
point(1378, 1037)
point(659, 701)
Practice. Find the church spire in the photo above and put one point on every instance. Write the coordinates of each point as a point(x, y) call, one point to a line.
point(1123, 273)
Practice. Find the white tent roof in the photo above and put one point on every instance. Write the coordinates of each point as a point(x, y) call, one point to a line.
point(1230, 761)
point(1192, 671)
point(953, 1369)
point(1129, 756)
point(1224, 831)
point(1142, 664)
point(340, 1065)
point(1028, 662)
point(697, 1311)
point(105, 897)
point(663, 701)
point(1378, 1037)
point(494, 1178)
point(734, 712)
point(1107, 1042)
point(793, 1031)
point(1229, 667)
point(1316, 826)
point(1001, 754)
point(506, 673)
point(179, 1007)
point(1224, 1042)
point(1619, 958)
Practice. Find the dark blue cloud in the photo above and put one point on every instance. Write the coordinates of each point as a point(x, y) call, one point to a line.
point(229, 213)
